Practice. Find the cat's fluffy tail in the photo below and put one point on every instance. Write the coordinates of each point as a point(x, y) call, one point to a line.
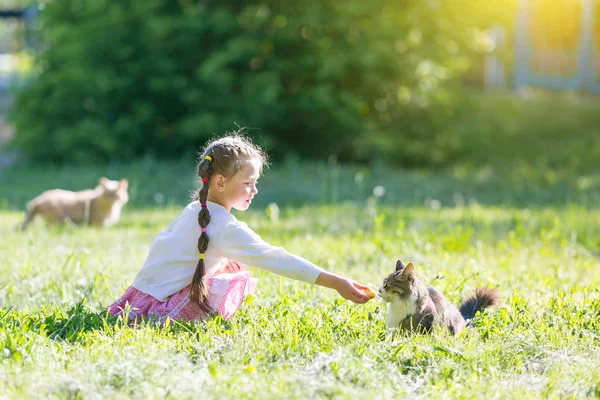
point(483, 298)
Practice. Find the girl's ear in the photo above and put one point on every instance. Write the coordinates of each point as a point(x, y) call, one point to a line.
point(218, 182)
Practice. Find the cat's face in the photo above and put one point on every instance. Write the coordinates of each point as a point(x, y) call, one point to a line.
point(398, 284)
point(115, 190)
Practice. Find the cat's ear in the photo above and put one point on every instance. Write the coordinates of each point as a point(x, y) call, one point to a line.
point(410, 268)
point(400, 265)
point(103, 181)
point(123, 183)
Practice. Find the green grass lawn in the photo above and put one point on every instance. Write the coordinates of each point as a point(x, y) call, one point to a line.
point(536, 241)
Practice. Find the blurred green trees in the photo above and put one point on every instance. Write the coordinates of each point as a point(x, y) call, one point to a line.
point(358, 79)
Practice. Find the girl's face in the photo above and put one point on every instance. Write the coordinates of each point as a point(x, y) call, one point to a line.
point(239, 190)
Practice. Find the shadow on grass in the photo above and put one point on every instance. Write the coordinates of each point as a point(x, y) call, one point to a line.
point(73, 325)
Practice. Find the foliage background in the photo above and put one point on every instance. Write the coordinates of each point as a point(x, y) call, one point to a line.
point(115, 81)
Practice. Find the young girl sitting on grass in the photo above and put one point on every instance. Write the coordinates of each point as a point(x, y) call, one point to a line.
point(196, 266)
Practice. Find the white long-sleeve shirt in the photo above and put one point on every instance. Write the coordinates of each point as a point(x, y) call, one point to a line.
point(173, 254)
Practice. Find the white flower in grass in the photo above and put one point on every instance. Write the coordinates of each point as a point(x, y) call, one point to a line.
point(435, 204)
point(273, 212)
point(378, 191)
point(159, 198)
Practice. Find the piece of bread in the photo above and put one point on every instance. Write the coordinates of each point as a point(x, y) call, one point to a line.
point(369, 292)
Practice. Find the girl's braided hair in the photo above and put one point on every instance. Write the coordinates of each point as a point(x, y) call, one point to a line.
point(226, 156)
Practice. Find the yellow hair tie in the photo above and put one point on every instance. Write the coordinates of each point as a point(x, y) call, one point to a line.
point(202, 256)
point(209, 158)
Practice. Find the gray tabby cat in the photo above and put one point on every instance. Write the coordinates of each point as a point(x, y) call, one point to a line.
point(416, 308)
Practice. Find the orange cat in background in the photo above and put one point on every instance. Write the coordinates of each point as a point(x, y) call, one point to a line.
point(100, 206)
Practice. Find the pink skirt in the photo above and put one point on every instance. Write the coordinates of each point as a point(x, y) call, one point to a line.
point(226, 294)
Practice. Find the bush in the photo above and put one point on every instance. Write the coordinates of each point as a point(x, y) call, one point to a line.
point(357, 79)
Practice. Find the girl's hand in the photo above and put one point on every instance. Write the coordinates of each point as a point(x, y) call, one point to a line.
point(234, 266)
point(353, 291)
point(347, 288)
point(231, 267)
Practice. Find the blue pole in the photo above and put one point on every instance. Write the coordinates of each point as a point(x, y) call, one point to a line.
point(584, 55)
point(522, 61)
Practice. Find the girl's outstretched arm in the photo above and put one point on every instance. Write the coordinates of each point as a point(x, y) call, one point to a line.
point(239, 242)
point(347, 288)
